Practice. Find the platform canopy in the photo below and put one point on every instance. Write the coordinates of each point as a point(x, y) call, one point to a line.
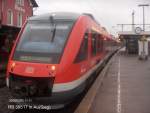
point(133, 33)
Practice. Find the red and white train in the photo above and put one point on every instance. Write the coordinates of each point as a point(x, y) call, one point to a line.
point(55, 55)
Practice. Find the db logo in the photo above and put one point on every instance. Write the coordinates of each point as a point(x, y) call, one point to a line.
point(29, 70)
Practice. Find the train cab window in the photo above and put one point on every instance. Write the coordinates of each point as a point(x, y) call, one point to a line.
point(83, 52)
point(98, 46)
point(94, 37)
point(41, 42)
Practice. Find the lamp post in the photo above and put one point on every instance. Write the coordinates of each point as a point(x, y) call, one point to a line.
point(133, 13)
point(143, 6)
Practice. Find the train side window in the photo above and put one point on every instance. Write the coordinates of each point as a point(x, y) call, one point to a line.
point(83, 51)
point(94, 35)
point(98, 46)
point(100, 43)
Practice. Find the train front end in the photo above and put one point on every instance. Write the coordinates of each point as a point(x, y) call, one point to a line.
point(35, 59)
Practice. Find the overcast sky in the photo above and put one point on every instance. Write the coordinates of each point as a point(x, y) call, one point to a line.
point(109, 13)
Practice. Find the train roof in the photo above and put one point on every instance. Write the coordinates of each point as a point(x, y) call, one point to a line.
point(57, 15)
point(66, 16)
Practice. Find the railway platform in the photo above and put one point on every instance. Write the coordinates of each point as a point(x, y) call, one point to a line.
point(125, 88)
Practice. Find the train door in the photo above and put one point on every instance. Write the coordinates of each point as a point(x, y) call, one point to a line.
point(83, 55)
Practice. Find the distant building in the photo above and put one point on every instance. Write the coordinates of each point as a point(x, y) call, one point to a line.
point(131, 38)
point(13, 13)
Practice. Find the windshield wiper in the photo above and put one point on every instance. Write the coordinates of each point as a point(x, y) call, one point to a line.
point(54, 32)
point(53, 28)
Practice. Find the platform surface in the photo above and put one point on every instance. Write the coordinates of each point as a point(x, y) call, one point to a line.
point(126, 87)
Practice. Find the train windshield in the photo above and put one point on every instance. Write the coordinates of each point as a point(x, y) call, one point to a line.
point(42, 42)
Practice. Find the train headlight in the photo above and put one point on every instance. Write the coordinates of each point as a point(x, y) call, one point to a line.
point(53, 68)
point(13, 66)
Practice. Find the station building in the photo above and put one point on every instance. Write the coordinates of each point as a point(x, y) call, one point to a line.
point(131, 38)
point(13, 13)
